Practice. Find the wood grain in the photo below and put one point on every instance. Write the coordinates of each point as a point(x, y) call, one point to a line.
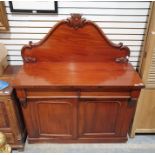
point(47, 74)
point(77, 86)
point(82, 40)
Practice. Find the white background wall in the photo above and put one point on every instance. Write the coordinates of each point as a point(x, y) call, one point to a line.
point(121, 21)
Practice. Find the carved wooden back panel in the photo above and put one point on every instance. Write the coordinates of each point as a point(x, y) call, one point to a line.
point(75, 40)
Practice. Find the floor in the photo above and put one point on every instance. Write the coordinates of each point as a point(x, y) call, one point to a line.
point(141, 143)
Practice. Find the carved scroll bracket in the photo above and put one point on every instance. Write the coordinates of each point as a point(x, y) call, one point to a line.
point(21, 93)
point(76, 21)
point(23, 102)
point(121, 60)
point(132, 102)
point(121, 45)
point(30, 59)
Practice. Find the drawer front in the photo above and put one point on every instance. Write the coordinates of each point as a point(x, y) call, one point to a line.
point(50, 94)
point(104, 94)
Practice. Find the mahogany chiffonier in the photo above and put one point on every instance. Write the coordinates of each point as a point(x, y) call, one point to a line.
point(77, 86)
point(11, 122)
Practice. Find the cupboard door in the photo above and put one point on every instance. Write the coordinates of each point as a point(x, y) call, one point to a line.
point(104, 118)
point(53, 119)
point(4, 120)
point(11, 123)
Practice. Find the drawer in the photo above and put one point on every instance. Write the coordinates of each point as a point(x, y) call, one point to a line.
point(105, 95)
point(75, 94)
point(51, 94)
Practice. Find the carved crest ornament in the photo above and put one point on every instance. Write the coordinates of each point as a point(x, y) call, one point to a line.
point(76, 21)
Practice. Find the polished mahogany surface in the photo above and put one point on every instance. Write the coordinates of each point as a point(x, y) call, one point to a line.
point(77, 74)
point(77, 86)
point(76, 53)
point(74, 40)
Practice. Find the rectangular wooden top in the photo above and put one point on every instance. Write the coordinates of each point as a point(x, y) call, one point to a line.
point(7, 76)
point(79, 74)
